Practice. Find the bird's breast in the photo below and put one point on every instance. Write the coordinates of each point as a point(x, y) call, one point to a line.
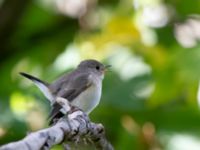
point(89, 98)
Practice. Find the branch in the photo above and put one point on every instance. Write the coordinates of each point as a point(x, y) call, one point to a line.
point(74, 126)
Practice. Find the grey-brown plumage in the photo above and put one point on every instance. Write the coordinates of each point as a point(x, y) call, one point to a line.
point(82, 87)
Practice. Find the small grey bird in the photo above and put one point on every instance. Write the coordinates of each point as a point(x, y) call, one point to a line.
point(81, 87)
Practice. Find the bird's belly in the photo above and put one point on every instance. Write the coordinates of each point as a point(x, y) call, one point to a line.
point(88, 99)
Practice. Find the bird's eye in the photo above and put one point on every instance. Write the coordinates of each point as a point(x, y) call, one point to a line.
point(97, 67)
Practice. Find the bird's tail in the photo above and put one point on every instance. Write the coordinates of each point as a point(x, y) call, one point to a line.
point(42, 85)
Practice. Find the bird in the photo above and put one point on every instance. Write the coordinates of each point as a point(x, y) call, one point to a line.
point(81, 87)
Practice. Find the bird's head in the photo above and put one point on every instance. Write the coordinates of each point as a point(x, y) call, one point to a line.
point(94, 66)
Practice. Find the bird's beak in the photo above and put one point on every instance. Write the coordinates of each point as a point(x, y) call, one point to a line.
point(106, 68)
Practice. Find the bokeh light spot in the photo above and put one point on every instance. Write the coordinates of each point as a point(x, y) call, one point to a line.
point(20, 104)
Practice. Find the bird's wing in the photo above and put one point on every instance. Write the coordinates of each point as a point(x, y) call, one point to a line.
point(70, 90)
point(42, 85)
point(56, 108)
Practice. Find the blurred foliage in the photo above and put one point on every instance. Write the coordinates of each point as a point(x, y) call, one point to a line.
point(149, 97)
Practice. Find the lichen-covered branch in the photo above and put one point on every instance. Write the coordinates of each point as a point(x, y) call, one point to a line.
point(74, 126)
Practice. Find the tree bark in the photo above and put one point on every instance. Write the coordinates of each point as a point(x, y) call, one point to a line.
point(75, 125)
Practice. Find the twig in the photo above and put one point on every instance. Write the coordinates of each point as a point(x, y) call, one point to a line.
point(73, 126)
